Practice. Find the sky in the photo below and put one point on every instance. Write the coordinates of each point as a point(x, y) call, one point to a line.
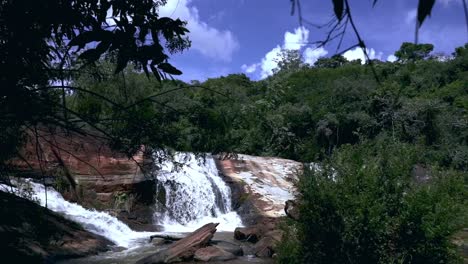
point(244, 36)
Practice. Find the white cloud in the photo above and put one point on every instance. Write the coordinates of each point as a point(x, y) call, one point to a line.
point(392, 58)
point(296, 40)
point(293, 41)
point(211, 42)
point(358, 53)
point(312, 55)
point(411, 16)
point(250, 68)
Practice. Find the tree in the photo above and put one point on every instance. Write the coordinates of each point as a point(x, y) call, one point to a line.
point(289, 60)
point(332, 62)
point(413, 52)
point(45, 44)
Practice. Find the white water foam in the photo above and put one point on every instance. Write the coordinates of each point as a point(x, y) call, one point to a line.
point(100, 223)
point(195, 195)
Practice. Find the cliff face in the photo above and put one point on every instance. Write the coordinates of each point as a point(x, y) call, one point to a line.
point(261, 185)
point(30, 233)
point(85, 170)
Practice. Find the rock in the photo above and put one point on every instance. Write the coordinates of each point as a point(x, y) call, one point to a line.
point(228, 246)
point(260, 185)
point(250, 234)
point(265, 247)
point(30, 233)
point(158, 241)
point(248, 249)
point(291, 210)
point(277, 235)
point(257, 231)
point(183, 249)
point(213, 253)
point(89, 172)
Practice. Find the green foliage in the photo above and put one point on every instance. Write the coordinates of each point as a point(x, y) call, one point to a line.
point(40, 55)
point(412, 52)
point(364, 206)
point(289, 60)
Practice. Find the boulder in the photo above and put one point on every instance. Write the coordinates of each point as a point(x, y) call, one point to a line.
point(256, 232)
point(183, 249)
point(265, 247)
point(228, 246)
point(213, 253)
point(250, 234)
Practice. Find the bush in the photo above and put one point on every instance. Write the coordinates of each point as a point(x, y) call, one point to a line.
point(363, 206)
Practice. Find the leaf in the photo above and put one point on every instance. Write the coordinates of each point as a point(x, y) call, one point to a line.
point(90, 55)
point(84, 38)
point(338, 6)
point(122, 61)
point(424, 10)
point(168, 68)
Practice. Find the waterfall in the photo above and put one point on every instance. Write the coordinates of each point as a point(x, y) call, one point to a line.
point(195, 194)
point(100, 223)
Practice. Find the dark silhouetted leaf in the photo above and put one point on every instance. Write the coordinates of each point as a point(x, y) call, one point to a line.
point(122, 61)
point(86, 37)
point(168, 68)
point(90, 55)
point(424, 10)
point(338, 6)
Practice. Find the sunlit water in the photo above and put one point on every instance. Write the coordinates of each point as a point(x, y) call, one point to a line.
point(195, 195)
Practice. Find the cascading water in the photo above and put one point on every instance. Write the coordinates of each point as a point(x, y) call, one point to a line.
point(100, 223)
point(195, 195)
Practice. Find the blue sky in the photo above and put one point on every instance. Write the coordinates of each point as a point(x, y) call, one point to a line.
point(243, 36)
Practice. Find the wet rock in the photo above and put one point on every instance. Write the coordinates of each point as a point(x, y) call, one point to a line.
point(213, 253)
point(265, 247)
point(183, 249)
point(250, 234)
point(228, 246)
point(30, 233)
point(248, 249)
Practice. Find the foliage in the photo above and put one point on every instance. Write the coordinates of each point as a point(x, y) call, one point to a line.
point(364, 206)
point(411, 52)
point(289, 60)
point(40, 55)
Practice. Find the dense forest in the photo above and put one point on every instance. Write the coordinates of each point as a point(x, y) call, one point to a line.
point(302, 112)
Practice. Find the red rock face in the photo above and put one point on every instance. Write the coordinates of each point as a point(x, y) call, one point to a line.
point(95, 176)
point(82, 155)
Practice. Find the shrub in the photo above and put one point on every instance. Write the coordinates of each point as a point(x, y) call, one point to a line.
point(363, 206)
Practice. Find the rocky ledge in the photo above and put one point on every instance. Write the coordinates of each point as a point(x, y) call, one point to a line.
point(260, 185)
point(30, 233)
